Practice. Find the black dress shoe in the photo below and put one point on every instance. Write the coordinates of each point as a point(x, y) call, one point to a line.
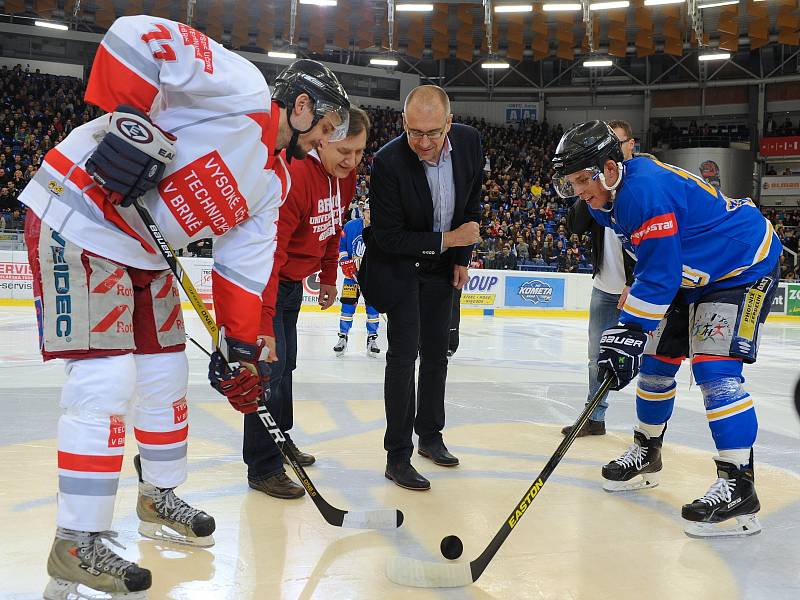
point(406, 476)
point(439, 455)
point(590, 428)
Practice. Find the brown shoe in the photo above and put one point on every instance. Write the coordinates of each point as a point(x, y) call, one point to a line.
point(304, 459)
point(278, 486)
point(590, 428)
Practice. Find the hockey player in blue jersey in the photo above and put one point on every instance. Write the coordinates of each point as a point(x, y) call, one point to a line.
point(351, 249)
point(707, 269)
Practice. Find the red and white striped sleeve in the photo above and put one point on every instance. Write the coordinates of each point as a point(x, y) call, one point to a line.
point(141, 56)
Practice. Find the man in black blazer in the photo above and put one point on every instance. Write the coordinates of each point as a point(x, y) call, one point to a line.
point(424, 196)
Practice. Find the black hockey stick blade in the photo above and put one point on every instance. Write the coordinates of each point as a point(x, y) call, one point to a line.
point(374, 519)
point(427, 574)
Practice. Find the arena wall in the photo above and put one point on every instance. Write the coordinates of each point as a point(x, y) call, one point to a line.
point(488, 292)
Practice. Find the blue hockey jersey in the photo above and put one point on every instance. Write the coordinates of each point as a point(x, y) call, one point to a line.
point(351, 244)
point(685, 234)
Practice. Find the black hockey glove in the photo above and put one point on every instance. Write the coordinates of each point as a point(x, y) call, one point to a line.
point(131, 158)
point(621, 350)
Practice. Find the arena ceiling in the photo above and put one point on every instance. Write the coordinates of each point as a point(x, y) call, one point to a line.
point(448, 44)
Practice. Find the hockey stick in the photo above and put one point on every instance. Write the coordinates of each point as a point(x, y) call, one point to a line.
point(368, 519)
point(418, 573)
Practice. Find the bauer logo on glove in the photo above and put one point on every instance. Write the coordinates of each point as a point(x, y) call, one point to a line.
point(621, 350)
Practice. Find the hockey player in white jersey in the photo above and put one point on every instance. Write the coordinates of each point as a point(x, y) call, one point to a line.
point(195, 133)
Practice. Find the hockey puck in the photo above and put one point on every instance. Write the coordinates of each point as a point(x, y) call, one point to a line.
point(451, 547)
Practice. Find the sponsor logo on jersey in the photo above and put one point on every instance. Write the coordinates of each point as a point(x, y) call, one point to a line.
point(204, 193)
point(55, 188)
point(61, 283)
point(202, 49)
point(536, 291)
point(134, 131)
point(657, 227)
point(753, 302)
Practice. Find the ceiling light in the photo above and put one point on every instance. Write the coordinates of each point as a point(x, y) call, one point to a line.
point(51, 25)
point(513, 8)
point(597, 62)
point(319, 2)
point(383, 62)
point(495, 64)
point(414, 7)
point(609, 5)
point(663, 2)
point(720, 3)
point(276, 54)
point(560, 6)
point(714, 56)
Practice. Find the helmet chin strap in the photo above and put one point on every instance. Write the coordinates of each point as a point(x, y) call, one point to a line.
point(292, 149)
point(612, 188)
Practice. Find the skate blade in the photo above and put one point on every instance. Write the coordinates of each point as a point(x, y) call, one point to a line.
point(745, 525)
point(339, 353)
point(162, 533)
point(373, 354)
point(60, 589)
point(640, 482)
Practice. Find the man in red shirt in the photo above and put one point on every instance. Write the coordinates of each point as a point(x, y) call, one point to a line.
point(309, 227)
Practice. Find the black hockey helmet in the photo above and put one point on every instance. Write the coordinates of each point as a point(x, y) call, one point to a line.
point(320, 83)
point(585, 147)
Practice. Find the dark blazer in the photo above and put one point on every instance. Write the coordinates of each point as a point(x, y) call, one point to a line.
point(579, 220)
point(400, 235)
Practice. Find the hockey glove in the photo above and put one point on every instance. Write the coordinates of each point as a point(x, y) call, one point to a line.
point(349, 268)
point(243, 385)
point(131, 158)
point(621, 350)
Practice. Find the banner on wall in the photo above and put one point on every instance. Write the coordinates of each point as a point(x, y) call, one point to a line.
point(780, 146)
point(16, 280)
point(480, 289)
point(521, 111)
point(780, 186)
point(793, 299)
point(534, 292)
point(779, 301)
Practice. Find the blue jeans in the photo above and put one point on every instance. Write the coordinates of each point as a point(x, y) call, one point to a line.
point(603, 313)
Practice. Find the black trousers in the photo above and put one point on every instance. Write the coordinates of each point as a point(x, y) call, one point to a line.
point(259, 450)
point(455, 320)
point(418, 325)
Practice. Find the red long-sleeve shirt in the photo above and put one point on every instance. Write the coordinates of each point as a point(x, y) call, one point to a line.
point(309, 227)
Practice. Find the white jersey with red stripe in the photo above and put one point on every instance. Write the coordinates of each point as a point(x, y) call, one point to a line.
point(225, 181)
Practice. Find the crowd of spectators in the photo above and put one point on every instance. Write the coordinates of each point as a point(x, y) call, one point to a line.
point(776, 128)
point(36, 112)
point(665, 133)
point(523, 221)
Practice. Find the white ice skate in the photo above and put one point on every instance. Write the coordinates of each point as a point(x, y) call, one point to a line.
point(341, 345)
point(372, 346)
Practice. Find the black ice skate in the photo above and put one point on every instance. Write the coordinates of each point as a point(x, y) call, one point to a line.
point(341, 345)
point(165, 516)
point(638, 467)
point(729, 507)
point(372, 346)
